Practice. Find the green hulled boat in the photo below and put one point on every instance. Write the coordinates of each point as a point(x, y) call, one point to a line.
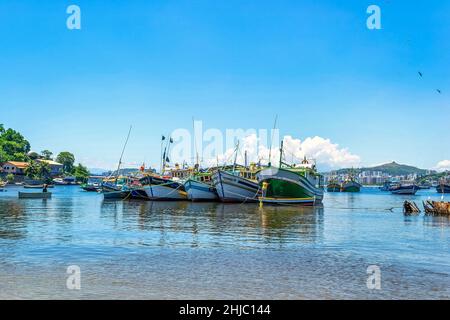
point(296, 184)
point(333, 185)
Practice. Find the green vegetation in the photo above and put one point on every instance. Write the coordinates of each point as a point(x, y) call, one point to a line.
point(13, 146)
point(81, 173)
point(46, 154)
point(38, 171)
point(67, 159)
point(10, 178)
point(393, 169)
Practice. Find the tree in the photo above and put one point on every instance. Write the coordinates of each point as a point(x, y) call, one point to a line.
point(67, 159)
point(81, 173)
point(44, 171)
point(13, 145)
point(32, 171)
point(33, 155)
point(47, 154)
point(10, 178)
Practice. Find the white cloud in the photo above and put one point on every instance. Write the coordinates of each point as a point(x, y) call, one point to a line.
point(327, 155)
point(443, 165)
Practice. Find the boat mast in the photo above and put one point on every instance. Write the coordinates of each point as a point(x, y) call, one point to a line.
point(121, 155)
point(235, 155)
point(271, 139)
point(245, 159)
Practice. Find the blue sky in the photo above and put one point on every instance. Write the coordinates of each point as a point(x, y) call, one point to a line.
point(232, 64)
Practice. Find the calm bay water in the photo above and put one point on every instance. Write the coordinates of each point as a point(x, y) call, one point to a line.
point(183, 250)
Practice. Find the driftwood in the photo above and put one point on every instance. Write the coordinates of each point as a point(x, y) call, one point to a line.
point(410, 207)
point(436, 207)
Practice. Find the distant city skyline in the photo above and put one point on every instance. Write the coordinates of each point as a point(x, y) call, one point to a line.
point(343, 93)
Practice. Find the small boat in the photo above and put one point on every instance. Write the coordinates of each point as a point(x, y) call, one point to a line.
point(35, 195)
point(199, 187)
point(436, 207)
point(91, 187)
point(37, 186)
point(410, 189)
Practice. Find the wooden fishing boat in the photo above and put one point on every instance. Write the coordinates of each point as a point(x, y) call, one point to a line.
point(199, 187)
point(162, 188)
point(237, 185)
point(116, 195)
point(350, 184)
point(333, 186)
point(35, 195)
point(405, 189)
point(291, 184)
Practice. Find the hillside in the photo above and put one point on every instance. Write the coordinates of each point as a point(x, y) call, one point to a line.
point(392, 168)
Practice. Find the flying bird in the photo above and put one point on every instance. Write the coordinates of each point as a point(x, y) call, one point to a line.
point(420, 74)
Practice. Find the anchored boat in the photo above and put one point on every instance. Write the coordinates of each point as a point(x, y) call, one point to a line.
point(291, 184)
point(236, 185)
point(350, 184)
point(443, 187)
point(163, 188)
point(410, 189)
point(199, 187)
point(333, 185)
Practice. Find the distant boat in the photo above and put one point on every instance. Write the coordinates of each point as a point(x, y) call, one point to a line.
point(199, 187)
point(333, 186)
point(443, 188)
point(35, 195)
point(350, 184)
point(410, 189)
point(37, 186)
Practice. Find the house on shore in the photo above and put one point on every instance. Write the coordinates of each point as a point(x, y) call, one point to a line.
point(14, 167)
point(56, 169)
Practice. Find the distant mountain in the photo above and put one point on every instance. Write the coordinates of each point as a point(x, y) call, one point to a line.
point(98, 171)
point(393, 169)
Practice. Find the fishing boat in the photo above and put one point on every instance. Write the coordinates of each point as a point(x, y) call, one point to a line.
point(291, 184)
point(333, 185)
point(350, 184)
point(405, 189)
point(163, 188)
point(35, 195)
point(117, 195)
point(443, 187)
point(199, 187)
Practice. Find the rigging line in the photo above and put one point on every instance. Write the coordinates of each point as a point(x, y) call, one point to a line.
point(123, 151)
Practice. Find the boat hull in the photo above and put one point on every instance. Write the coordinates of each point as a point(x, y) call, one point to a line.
point(38, 186)
point(116, 195)
point(351, 186)
point(443, 188)
point(35, 195)
point(333, 187)
point(160, 192)
point(405, 190)
point(233, 188)
point(200, 191)
point(284, 186)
